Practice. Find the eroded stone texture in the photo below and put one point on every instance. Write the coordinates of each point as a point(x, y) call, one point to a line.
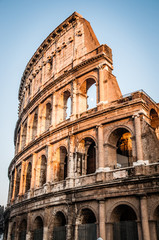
point(86, 157)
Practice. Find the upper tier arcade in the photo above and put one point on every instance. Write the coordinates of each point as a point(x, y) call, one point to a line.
point(68, 53)
point(70, 44)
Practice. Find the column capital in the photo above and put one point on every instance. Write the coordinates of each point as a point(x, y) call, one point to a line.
point(101, 200)
point(143, 196)
point(136, 115)
point(49, 145)
point(101, 66)
point(99, 125)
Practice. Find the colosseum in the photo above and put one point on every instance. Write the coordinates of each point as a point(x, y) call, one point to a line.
point(86, 159)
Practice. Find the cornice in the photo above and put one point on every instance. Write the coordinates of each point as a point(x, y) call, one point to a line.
point(134, 180)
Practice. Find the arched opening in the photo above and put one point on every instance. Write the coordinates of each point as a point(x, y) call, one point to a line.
point(17, 185)
point(156, 218)
point(63, 164)
point(22, 230)
point(43, 170)
point(87, 225)
point(86, 157)
point(120, 148)
point(87, 97)
point(124, 150)
point(13, 232)
point(154, 121)
point(24, 135)
point(35, 125)
point(68, 108)
point(124, 223)
point(59, 230)
point(91, 95)
point(67, 104)
point(48, 116)
point(38, 229)
point(91, 157)
point(28, 177)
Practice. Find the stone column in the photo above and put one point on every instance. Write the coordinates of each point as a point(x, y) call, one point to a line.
point(54, 163)
point(69, 226)
point(43, 118)
point(46, 223)
point(49, 163)
point(109, 232)
point(100, 83)
point(22, 177)
point(74, 99)
point(101, 164)
point(27, 133)
point(102, 226)
point(45, 233)
point(138, 137)
point(14, 184)
point(29, 222)
point(33, 175)
point(69, 232)
point(28, 137)
point(76, 231)
point(54, 110)
point(9, 231)
point(20, 139)
point(39, 120)
point(144, 218)
point(70, 156)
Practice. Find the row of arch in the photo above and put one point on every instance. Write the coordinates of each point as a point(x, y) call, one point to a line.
point(123, 225)
point(85, 161)
point(86, 164)
point(64, 108)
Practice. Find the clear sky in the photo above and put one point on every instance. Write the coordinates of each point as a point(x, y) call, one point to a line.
point(130, 28)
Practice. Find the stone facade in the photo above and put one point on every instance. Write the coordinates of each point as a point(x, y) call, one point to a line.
point(86, 159)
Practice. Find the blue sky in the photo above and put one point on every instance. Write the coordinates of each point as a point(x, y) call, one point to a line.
point(130, 28)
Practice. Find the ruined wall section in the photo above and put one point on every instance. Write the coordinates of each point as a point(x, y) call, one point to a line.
point(68, 49)
point(150, 143)
point(112, 90)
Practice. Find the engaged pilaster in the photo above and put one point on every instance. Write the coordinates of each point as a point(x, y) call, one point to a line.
point(100, 83)
point(138, 137)
point(101, 164)
point(22, 187)
point(144, 218)
point(33, 171)
point(49, 164)
point(70, 156)
point(102, 227)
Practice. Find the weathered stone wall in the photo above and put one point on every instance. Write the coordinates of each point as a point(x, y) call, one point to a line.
point(92, 166)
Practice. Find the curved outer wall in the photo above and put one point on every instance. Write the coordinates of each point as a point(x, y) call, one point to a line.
point(69, 160)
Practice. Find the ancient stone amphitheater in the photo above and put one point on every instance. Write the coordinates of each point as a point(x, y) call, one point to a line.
point(86, 157)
